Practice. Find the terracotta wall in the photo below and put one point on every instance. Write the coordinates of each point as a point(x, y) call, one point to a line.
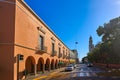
point(7, 24)
point(19, 35)
point(27, 34)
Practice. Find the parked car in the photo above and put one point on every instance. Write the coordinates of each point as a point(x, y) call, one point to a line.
point(69, 67)
point(89, 64)
point(74, 65)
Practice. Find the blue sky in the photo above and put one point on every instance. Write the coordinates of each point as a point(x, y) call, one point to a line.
point(75, 20)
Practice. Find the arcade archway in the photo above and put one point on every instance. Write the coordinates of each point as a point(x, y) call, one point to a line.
point(30, 65)
point(40, 65)
point(52, 64)
point(47, 65)
point(56, 64)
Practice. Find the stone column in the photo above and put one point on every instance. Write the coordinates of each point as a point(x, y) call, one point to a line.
point(53, 66)
point(43, 68)
point(57, 65)
point(49, 67)
point(35, 70)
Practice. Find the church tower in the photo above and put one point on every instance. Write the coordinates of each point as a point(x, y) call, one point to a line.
point(91, 45)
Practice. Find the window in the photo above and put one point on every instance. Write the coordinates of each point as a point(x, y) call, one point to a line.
point(66, 51)
point(59, 50)
point(53, 48)
point(41, 41)
point(63, 52)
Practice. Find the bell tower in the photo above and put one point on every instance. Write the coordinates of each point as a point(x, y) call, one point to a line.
point(91, 45)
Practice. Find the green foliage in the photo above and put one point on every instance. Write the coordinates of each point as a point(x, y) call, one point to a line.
point(100, 31)
point(108, 51)
point(101, 53)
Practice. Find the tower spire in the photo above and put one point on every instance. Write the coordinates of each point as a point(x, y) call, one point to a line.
point(91, 45)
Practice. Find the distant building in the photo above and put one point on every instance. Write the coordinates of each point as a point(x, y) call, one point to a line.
point(75, 55)
point(91, 45)
point(72, 57)
point(75, 52)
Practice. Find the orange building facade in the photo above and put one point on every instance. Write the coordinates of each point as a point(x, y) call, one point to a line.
point(27, 44)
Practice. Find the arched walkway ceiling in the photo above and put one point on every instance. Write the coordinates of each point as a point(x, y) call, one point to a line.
point(47, 61)
point(30, 58)
point(30, 64)
point(41, 60)
point(52, 61)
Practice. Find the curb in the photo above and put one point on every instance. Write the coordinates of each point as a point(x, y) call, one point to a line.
point(42, 77)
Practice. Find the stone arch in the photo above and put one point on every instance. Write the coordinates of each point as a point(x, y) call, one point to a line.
point(52, 64)
point(47, 64)
point(30, 65)
point(56, 64)
point(40, 65)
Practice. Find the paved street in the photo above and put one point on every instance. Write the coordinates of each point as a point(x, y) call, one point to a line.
point(81, 72)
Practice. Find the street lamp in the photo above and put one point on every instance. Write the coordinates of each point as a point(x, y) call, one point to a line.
point(76, 44)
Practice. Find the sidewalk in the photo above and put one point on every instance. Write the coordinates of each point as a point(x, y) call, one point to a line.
point(44, 75)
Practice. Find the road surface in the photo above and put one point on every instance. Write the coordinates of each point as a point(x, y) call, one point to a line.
point(81, 72)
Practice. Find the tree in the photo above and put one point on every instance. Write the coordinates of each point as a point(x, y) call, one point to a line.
point(100, 31)
point(110, 46)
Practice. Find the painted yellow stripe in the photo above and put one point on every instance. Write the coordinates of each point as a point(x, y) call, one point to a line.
point(36, 79)
point(43, 77)
point(48, 77)
point(40, 78)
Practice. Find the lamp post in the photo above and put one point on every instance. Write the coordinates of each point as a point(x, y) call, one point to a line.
point(76, 55)
point(69, 57)
point(76, 44)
